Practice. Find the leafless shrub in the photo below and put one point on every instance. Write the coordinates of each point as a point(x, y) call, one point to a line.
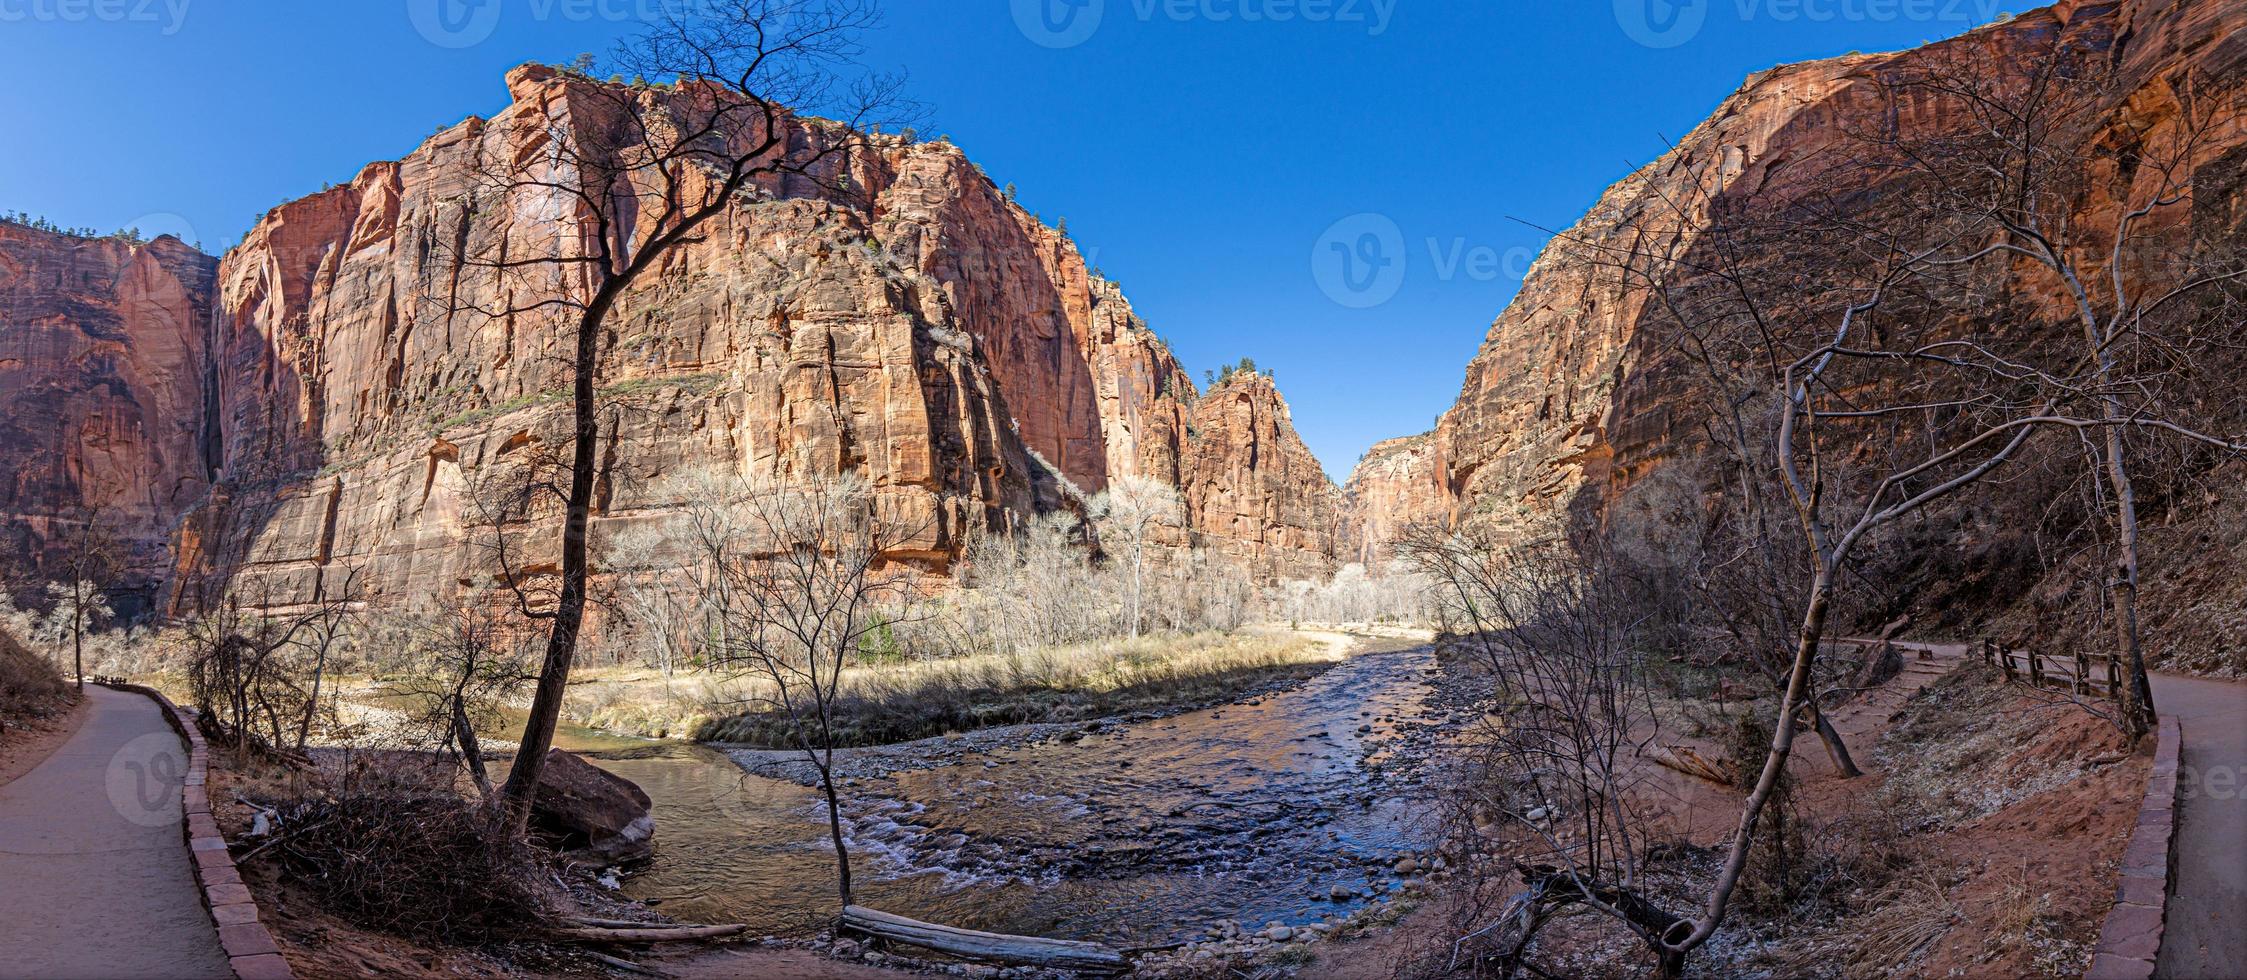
point(1551, 768)
point(471, 661)
point(1395, 593)
point(256, 674)
point(799, 596)
point(432, 867)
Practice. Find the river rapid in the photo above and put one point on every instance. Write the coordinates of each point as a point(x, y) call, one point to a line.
point(1291, 806)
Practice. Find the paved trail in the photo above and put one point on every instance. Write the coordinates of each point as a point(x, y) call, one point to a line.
point(2207, 931)
point(97, 880)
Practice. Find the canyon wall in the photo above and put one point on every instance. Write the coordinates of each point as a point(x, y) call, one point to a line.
point(1581, 388)
point(103, 373)
point(1396, 485)
point(333, 402)
point(1254, 493)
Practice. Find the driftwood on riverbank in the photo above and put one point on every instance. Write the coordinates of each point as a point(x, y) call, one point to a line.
point(1022, 950)
point(642, 933)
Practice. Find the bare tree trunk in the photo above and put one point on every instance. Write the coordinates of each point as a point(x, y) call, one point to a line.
point(569, 612)
point(312, 704)
point(1836, 748)
point(2137, 695)
point(78, 633)
point(471, 750)
point(1774, 765)
point(1138, 573)
point(835, 831)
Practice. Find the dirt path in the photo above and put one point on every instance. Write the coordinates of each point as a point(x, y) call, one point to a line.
point(2207, 930)
point(98, 881)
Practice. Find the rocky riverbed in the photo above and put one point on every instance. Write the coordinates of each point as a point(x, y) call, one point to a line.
point(1289, 811)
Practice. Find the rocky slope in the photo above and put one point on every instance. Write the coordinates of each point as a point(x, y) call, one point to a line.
point(920, 330)
point(102, 385)
point(1577, 394)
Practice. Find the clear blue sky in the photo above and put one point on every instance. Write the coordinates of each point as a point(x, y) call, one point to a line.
point(1202, 150)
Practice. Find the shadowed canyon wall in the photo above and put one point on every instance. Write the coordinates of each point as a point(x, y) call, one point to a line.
point(1581, 390)
point(103, 384)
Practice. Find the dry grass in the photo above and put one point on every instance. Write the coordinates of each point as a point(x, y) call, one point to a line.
point(30, 687)
point(885, 704)
point(1957, 752)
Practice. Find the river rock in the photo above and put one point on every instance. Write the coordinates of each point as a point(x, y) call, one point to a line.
point(597, 816)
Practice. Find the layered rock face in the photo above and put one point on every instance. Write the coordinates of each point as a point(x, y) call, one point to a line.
point(925, 334)
point(1576, 395)
point(1398, 483)
point(1253, 491)
point(103, 377)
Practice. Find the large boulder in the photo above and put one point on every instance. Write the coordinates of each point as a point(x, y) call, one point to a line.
point(595, 816)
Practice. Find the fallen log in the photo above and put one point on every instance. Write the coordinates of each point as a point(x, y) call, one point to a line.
point(578, 920)
point(676, 934)
point(627, 965)
point(1691, 763)
point(1060, 954)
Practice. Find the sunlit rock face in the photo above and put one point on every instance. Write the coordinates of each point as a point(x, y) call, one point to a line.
point(1254, 493)
point(103, 379)
point(1576, 394)
point(326, 401)
point(1398, 484)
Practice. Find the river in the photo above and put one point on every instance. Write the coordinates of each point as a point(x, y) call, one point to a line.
point(1135, 832)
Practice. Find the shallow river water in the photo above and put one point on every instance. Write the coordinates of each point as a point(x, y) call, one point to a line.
point(1133, 832)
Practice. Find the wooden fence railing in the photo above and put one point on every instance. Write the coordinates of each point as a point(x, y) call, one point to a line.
point(2087, 674)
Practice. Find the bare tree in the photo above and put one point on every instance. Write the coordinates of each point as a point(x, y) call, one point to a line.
point(635, 172)
point(1130, 509)
point(803, 590)
point(328, 623)
point(2013, 170)
point(79, 599)
point(475, 660)
point(1556, 634)
point(76, 607)
point(1842, 405)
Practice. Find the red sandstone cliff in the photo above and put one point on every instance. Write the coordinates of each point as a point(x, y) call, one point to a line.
point(1570, 399)
point(102, 382)
point(1398, 483)
point(1253, 491)
point(927, 334)
point(1582, 389)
